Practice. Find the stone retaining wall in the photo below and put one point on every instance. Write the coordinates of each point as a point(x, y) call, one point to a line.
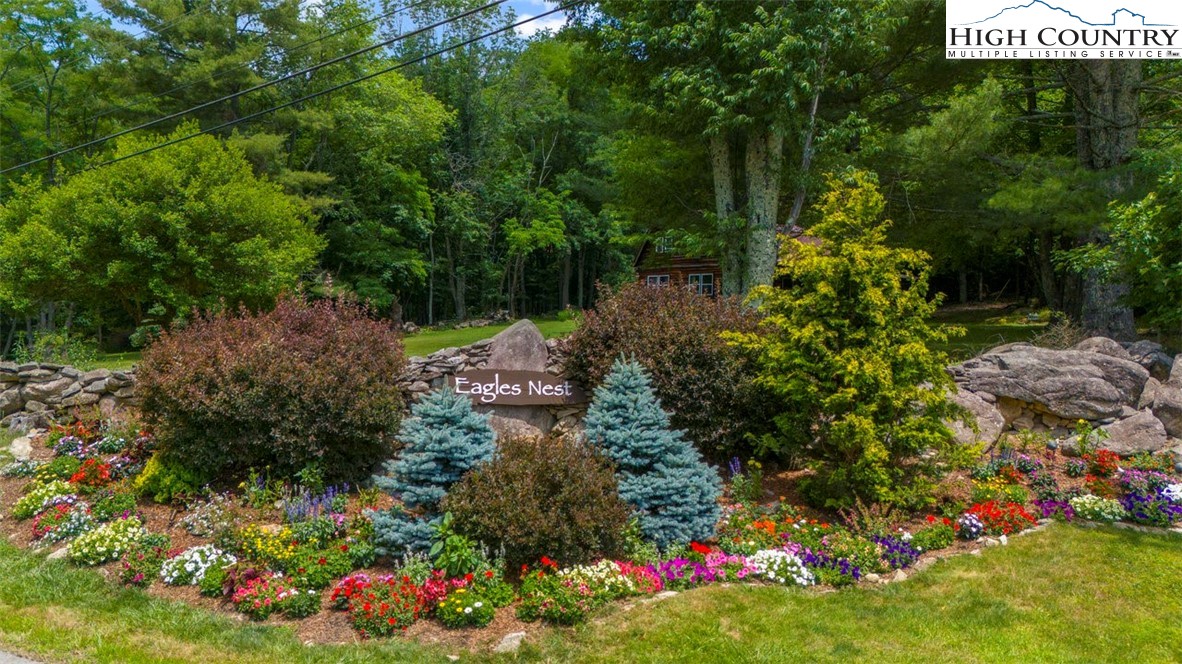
point(42, 390)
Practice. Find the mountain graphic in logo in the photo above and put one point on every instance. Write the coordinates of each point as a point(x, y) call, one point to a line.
point(1037, 7)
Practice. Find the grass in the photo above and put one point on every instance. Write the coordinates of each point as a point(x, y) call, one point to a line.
point(985, 327)
point(52, 611)
point(1064, 595)
point(425, 343)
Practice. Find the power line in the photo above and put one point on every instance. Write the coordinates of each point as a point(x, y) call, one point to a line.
point(334, 88)
point(218, 74)
point(260, 86)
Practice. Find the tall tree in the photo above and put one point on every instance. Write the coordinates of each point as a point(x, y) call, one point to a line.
point(749, 78)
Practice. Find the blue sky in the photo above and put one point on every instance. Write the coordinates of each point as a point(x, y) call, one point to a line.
point(523, 8)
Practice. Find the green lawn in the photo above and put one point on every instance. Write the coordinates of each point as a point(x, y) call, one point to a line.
point(1065, 595)
point(425, 343)
point(984, 329)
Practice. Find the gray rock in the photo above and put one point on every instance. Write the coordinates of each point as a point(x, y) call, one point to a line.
point(125, 392)
point(72, 390)
point(665, 594)
point(42, 391)
point(519, 421)
point(97, 387)
point(1103, 345)
point(27, 366)
point(989, 419)
point(91, 376)
point(520, 347)
point(1140, 433)
point(1071, 384)
point(36, 374)
point(1153, 357)
point(1167, 407)
point(108, 405)
point(10, 401)
point(1175, 378)
point(8, 368)
point(57, 554)
point(22, 448)
point(35, 407)
point(872, 578)
point(1148, 394)
point(900, 575)
point(510, 643)
point(70, 372)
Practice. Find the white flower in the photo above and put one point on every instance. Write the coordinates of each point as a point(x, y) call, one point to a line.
point(467, 609)
point(478, 604)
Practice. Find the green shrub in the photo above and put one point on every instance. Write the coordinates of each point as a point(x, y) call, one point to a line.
point(845, 356)
point(463, 608)
point(542, 497)
point(166, 481)
point(308, 382)
point(38, 496)
point(110, 505)
point(706, 384)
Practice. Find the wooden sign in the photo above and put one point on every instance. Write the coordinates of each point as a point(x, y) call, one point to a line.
point(516, 388)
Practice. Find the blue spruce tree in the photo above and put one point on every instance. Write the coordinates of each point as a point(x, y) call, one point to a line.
point(443, 439)
point(660, 474)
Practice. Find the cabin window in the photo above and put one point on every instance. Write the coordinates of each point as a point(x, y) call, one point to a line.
point(702, 284)
point(657, 280)
point(664, 245)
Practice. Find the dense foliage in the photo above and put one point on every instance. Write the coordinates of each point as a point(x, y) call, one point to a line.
point(845, 353)
point(441, 441)
point(306, 384)
point(542, 497)
point(660, 474)
point(706, 384)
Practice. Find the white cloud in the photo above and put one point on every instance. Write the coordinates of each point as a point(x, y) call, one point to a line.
point(553, 22)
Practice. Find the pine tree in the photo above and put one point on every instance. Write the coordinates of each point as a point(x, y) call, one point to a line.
point(660, 473)
point(442, 440)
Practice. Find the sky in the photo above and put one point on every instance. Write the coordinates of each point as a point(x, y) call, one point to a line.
point(523, 8)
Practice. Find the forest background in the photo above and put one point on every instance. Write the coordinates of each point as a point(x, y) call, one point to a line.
point(442, 160)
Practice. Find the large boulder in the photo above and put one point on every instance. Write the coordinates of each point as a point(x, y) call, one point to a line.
point(1153, 357)
point(989, 420)
point(1167, 407)
point(1133, 435)
point(10, 401)
point(1070, 384)
point(520, 347)
point(1104, 346)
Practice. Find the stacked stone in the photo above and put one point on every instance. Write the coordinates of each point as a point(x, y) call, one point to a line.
point(52, 388)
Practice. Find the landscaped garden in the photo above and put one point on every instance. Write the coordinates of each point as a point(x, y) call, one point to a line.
point(274, 474)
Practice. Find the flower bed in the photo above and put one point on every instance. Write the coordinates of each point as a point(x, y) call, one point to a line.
point(275, 551)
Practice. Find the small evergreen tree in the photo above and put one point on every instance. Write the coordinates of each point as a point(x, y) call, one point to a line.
point(442, 440)
point(660, 473)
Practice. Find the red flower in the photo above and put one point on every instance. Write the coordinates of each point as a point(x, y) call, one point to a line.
point(488, 574)
point(699, 548)
point(548, 562)
point(468, 577)
point(931, 519)
point(947, 521)
point(344, 547)
point(322, 561)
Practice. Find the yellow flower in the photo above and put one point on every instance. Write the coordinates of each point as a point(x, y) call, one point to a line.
point(458, 609)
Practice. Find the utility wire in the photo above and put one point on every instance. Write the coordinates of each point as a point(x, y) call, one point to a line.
point(334, 88)
point(218, 74)
point(255, 88)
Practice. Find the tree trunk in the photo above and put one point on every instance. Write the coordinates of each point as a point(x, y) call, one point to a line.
point(765, 158)
point(1105, 96)
point(733, 258)
point(564, 285)
point(582, 276)
point(963, 279)
point(456, 281)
